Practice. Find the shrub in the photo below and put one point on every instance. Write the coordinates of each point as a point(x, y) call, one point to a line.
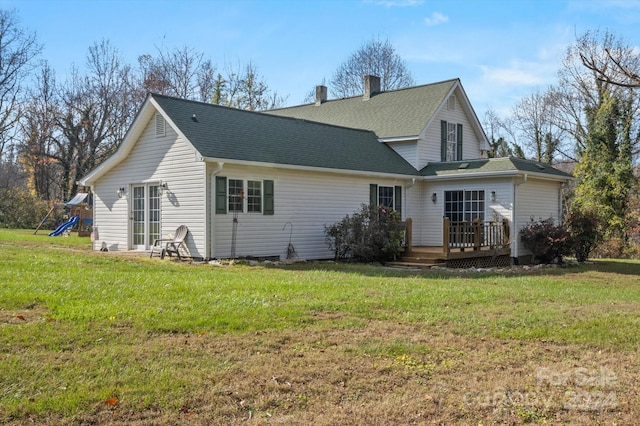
point(584, 228)
point(19, 209)
point(372, 234)
point(548, 242)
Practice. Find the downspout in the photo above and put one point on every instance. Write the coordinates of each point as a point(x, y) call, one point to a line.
point(514, 222)
point(212, 212)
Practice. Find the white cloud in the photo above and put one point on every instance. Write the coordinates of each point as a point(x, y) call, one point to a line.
point(517, 74)
point(436, 18)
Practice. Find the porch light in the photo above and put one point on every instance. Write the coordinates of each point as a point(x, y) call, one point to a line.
point(163, 187)
point(434, 197)
point(493, 195)
point(121, 192)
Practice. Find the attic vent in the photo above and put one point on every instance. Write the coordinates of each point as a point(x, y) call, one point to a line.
point(463, 165)
point(451, 103)
point(160, 125)
point(540, 166)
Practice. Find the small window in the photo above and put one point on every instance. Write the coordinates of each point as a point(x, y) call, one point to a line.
point(385, 196)
point(160, 126)
point(254, 196)
point(236, 195)
point(451, 103)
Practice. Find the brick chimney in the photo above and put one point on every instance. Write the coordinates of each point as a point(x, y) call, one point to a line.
point(371, 86)
point(321, 95)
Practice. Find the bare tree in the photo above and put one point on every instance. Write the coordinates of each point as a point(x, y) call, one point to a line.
point(18, 49)
point(243, 88)
point(533, 118)
point(180, 72)
point(581, 88)
point(375, 57)
point(73, 126)
point(612, 60)
point(38, 124)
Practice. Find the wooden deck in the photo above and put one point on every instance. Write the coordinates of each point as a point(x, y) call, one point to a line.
point(465, 244)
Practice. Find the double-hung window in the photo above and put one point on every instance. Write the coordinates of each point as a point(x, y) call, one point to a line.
point(240, 195)
point(452, 142)
point(387, 196)
point(236, 195)
point(254, 196)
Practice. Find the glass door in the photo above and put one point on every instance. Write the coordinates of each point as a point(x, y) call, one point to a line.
point(145, 216)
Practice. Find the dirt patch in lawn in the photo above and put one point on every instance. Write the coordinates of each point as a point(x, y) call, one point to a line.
point(383, 373)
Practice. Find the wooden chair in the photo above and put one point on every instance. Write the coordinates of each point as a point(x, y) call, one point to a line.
point(172, 246)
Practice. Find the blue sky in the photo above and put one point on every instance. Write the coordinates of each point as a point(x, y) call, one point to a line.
point(502, 50)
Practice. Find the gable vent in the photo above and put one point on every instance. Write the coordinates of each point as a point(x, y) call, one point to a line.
point(451, 103)
point(160, 125)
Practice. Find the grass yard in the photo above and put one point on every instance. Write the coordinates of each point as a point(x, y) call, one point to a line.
point(101, 338)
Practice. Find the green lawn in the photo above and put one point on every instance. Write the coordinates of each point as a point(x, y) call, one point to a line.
point(103, 338)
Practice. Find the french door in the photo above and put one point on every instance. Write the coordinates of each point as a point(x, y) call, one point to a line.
point(145, 215)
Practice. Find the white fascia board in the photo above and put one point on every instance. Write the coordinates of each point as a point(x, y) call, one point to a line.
point(227, 161)
point(399, 139)
point(135, 130)
point(490, 175)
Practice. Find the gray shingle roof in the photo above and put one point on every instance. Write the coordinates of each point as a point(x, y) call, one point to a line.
point(231, 134)
point(490, 166)
point(396, 113)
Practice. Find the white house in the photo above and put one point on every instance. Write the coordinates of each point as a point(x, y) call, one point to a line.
point(249, 183)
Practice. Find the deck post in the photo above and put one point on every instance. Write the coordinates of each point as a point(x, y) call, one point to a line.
point(477, 243)
point(506, 237)
point(408, 232)
point(445, 235)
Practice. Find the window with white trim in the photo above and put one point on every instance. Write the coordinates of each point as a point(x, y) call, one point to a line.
point(452, 142)
point(236, 195)
point(238, 198)
point(254, 196)
point(464, 206)
point(386, 196)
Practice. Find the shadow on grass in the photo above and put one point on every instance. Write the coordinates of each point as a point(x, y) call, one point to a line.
point(624, 267)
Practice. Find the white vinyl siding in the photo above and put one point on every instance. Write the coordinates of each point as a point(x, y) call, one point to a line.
point(430, 145)
point(429, 230)
point(537, 199)
point(307, 200)
point(153, 159)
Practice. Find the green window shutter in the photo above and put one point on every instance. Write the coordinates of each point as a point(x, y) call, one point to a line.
point(443, 140)
point(221, 195)
point(397, 194)
point(459, 143)
point(373, 195)
point(269, 199)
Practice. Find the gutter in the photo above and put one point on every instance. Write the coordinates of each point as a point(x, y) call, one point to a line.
point(311, 168)
point(514, 221)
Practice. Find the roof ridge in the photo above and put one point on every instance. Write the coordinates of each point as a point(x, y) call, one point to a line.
point(376, 94)
point(260, 113)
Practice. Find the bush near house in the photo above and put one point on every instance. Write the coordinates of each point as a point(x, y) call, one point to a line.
point(548, 242)
point(372, 234)
point(583, 227)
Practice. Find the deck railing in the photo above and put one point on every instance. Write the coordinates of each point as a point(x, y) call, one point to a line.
point(474, 235)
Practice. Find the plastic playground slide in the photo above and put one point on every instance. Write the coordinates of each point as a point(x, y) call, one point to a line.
point(68, 224)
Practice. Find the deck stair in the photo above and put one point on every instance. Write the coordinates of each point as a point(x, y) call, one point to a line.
point(421, 257)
